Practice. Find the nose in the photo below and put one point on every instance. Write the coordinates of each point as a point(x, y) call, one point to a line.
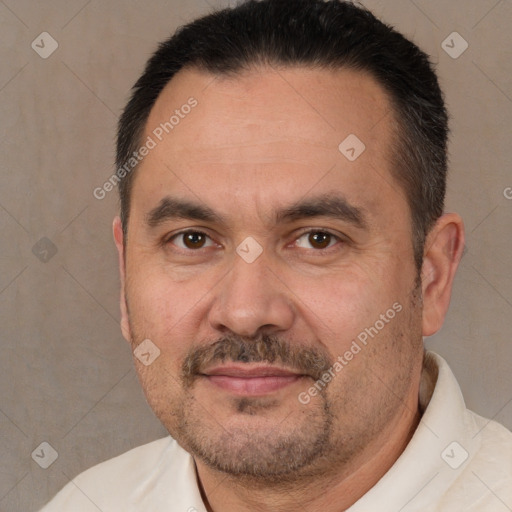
point(252, 298)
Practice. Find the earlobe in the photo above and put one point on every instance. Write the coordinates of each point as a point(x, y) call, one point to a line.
point(443, 250)
point(119, 241)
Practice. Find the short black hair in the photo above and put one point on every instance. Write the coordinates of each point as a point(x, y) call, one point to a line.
point(328, 34)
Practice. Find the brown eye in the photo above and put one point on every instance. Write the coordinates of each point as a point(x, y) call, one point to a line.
point(319, 240)
point(191, 240)
point(316, 239)
point(194, 240)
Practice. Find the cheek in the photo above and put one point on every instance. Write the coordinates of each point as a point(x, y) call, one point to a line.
point(170, 314)
point(148, 307)
point(343, 304)
point(162, 389)
point(154, 299)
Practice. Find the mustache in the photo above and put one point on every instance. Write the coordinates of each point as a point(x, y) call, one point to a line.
point(313, 362)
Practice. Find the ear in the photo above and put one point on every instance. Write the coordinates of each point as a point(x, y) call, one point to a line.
point(119, 240)
point(443, 251)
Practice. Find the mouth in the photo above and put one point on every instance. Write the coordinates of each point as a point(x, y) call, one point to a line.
point(249, 380)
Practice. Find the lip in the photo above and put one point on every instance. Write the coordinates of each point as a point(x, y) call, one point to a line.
point(251, 380)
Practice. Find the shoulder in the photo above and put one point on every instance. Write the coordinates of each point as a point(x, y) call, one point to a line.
point(485, 483)
point(129, 481)
point(495, 454)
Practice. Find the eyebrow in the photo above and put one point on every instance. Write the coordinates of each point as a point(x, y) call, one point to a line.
point(333, 206)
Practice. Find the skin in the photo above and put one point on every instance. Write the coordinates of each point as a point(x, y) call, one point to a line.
point(255, 144)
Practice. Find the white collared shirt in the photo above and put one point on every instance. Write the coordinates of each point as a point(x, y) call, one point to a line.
point(455, 461)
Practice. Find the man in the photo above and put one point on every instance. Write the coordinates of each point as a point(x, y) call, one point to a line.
point(283, 251)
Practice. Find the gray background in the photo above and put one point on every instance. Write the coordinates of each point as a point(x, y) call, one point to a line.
point(66, 374)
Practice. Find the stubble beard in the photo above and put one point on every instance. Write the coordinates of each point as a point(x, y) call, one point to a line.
point(268, 456)
point(257, 443)
point(319, 439)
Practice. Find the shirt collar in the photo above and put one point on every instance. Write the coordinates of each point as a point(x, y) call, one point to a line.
point(441, 447)
point(443, 444)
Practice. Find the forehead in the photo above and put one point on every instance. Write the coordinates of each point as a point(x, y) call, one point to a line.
point(266, 134)
point(329, 104)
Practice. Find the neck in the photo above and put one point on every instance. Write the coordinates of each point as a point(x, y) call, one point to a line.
point(335, 490)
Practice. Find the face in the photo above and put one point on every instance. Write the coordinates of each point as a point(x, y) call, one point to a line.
point(273, 271)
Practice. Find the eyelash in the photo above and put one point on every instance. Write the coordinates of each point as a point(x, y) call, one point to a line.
point(301, 234)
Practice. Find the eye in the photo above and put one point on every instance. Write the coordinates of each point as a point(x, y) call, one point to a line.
point(317, 240)
point(191, 240)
